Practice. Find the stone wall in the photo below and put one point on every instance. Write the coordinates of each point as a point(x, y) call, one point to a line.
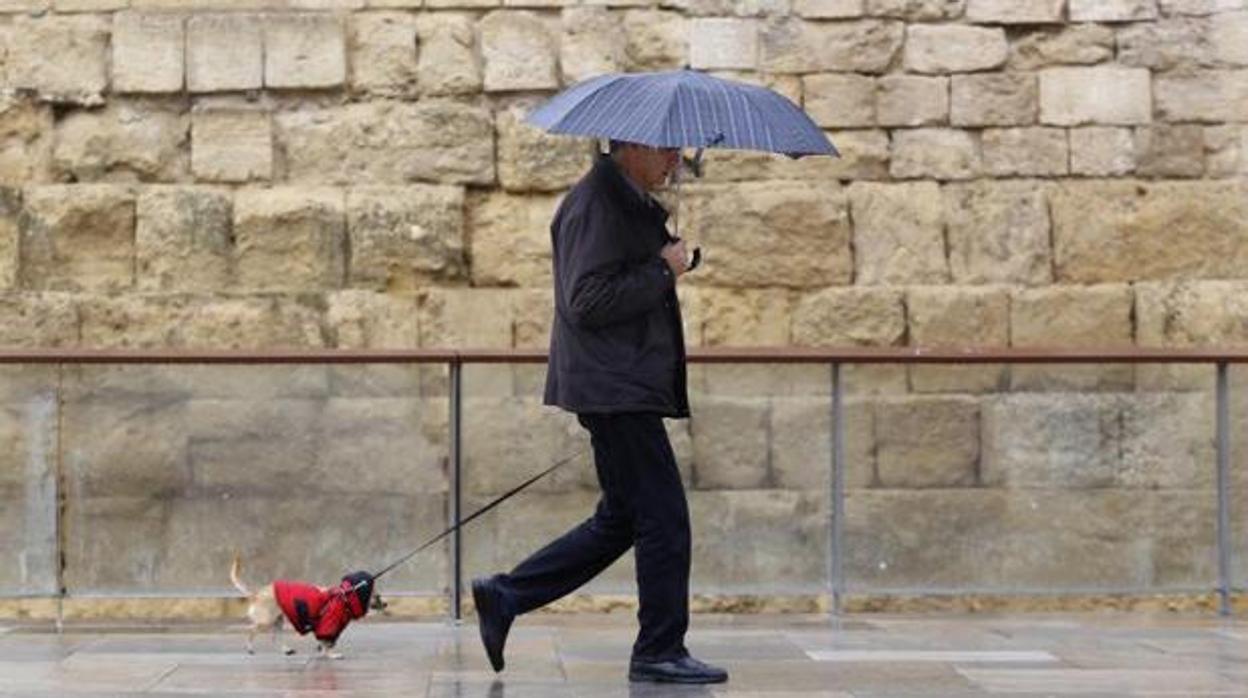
point(356, 173)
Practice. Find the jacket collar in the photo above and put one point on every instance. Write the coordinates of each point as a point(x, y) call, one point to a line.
point(627, 192)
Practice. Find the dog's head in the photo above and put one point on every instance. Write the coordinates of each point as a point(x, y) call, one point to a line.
point(361, 586)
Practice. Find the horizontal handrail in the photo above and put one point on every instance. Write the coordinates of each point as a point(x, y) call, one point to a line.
point(706, 355)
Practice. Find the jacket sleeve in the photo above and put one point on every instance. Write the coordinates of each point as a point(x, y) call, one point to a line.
point(601, 287)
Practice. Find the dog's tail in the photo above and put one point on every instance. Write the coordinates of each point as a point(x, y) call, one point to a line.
point(235, 568)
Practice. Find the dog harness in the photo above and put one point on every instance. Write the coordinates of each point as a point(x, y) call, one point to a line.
point(324, 612)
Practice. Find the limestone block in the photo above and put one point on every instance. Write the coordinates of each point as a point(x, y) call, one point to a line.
point(10, 233)
point(1126, 231)
point(26, 129)
point(1168, 441)
point(790, 529)
point(89, 5)
point(839, 99)
point(403, 238)
point(1075, 44)
point(1211, 96)
point(1102, 151)
point(518, 51)
point(941, 316)
point(1112, 10)
point(378, 432)
point(954, 48)
point(148, 322)
point(1191, 314)
point(224, 52)
point(788, 45)
point(935, 153)
point(850, 317)
point(917, 10)
point(1226, 149)
point(998, 232)
point(534, 313)
point(1097, 316)
point(793, 234)
point(656, 40)
point(304, 51)
point(717, 316)
point(507, 439)
point(448, 62)
point(864, 155)
point(828, 9)
point(927, 442)
point(1027, 152)
point(290, 239)
point(467, 317)
point(730, 437)
point(359, 319)
point(1100, 95)
point(38, 320)
point(384, 47)
point(146, 385)
point(718, 43)
point(183, 239)
point(1167, 44)
point(61, 58)
point(32, 6)
point(787, 86)
point(997, 99)
point(529, 159)
point(1052, 441)
point(1015, 11)
point(1170, 151)
point(1230, 38)
point(593, 43)
point(29, 426)
point(511, 239)
point(438, 141)
point(898, 236)
point(123, 142)
point(1199, 7)
point(912, 100)
point(149, 51)
point(232, 145)
point(801, 443)
point(78, 238)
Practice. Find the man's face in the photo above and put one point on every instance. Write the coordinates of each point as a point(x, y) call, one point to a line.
point(654, 165)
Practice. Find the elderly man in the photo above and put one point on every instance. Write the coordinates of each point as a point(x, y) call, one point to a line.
point(617, 360)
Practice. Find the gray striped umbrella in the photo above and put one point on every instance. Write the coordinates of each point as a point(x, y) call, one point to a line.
point(683, 109)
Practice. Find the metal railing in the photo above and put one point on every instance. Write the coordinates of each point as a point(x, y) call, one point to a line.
point(835, 358)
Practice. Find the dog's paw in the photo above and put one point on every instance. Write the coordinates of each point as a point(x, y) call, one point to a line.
point(288, 651)
point(332, 654)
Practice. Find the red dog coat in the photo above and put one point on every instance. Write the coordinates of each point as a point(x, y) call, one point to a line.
point(324, 612)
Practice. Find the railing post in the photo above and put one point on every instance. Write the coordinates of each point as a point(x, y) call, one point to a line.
point(1224, 505)
point(836, 572)
point(456, 394)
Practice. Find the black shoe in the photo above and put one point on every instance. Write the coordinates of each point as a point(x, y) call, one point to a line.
point(492, 618)
point(683, 670)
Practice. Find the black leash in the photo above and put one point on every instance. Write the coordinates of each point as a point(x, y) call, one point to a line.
point(502, 498)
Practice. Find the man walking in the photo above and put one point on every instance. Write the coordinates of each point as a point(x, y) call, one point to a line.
point(617, 360)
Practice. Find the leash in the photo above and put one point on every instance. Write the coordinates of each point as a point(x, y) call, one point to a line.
point(501, 498)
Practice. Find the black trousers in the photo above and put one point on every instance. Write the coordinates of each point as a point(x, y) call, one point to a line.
point(642, 506)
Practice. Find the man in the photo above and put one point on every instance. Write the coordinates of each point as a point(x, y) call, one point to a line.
point(617, 360)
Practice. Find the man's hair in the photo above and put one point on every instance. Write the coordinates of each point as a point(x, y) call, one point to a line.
point(614, 146)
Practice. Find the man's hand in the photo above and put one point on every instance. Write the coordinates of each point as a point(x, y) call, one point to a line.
point(676, 257)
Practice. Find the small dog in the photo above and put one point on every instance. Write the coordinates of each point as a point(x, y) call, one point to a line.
point(323, 611)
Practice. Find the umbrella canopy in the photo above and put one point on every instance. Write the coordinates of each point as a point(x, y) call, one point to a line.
point(682, 109)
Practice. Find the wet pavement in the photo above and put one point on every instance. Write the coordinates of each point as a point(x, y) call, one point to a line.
point(557, 656)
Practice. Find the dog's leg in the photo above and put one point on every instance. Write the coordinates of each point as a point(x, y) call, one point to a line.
point(251, 639)
point(277, 629)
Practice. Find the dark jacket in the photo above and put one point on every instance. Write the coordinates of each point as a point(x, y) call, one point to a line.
point(616, 344)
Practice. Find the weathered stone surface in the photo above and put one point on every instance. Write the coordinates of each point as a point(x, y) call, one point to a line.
point(29, 426)
point(290, 239)
point(389, 143)
point(839, 99)
point(199, 322)
point(1168, 441)
point(593, 43)
point(78, 238)
point(511, 239)
point(519, 52)
point(927, 442)
point(789, 45)
point(1076, 96)
point(1199, 7)
point(1076, 44)
point(917, 10)
point(1205, 96)
point(730, 443)
point(508, 437)
point(1097, 316)
point(787, 86)
point(10, 233)
point(1052, 441)
point(656, 40)
point(384, 47)
point(801, 443)
point(1015, 11)
point(941, 316)
point(954, 48)
point(997, 99)
point(716, 316)
point(828, 9)
point(1170, 151)
point(403, 238)
point(1126, 231)
point(864, 155)
point(1167, 44)
point(1230, 38)
point(789, 528)
point(529, 159)
point(149, 52)
point(124, 142)
point(304, 51)
point(1226, 150)
point(232, 145)
point(912, 100)
point(1192, 314)
point(448, 62)
point(850, 317)
point(224, 52)
point(718, 43)
point(898, 235)
point(183, 239)
point(1102, 151)
point(39, 320)
point(26, 129)
point(998, 232)
point(358, 319)
point(1112, 10)
point(1027, 152)
point(933, 153)
point(793, 234)
point(61, 58)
